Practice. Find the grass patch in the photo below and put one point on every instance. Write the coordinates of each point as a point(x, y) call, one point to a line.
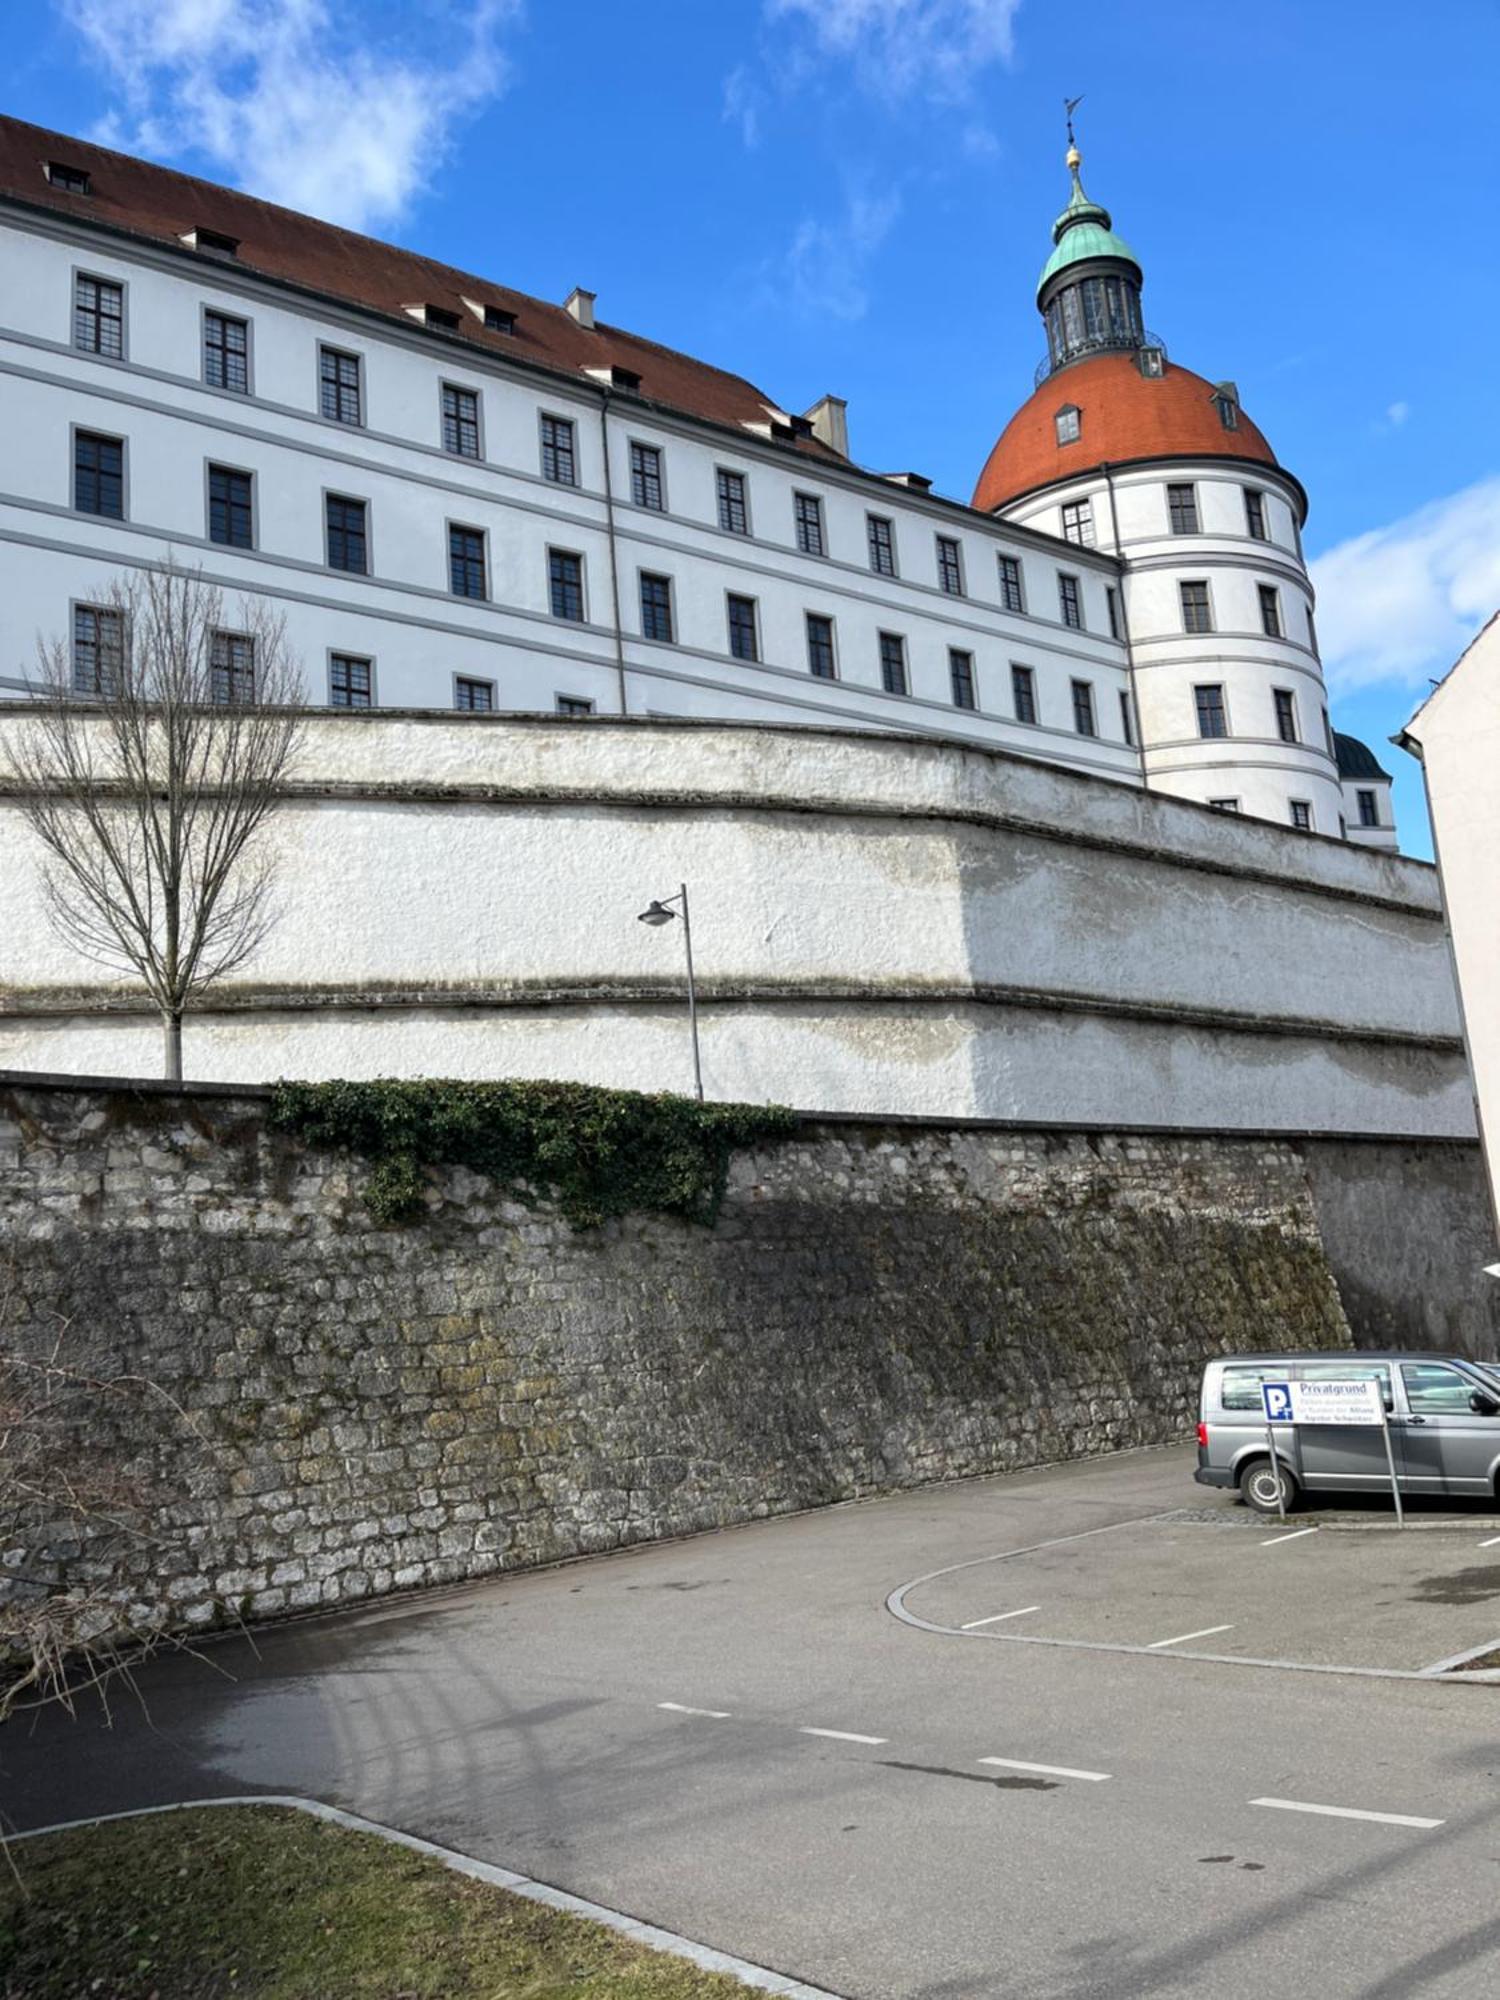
point(268, 1902)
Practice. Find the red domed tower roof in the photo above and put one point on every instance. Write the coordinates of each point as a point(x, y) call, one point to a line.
point(1123, 416)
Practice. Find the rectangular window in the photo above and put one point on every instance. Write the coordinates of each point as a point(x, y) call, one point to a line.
point(1010, 584)
point(338, 386)
point(347, 534)
point(231, 662)
point(350, 681)
point(98, 649)
point(1078, 523)
point(231, 508)
point(1255, 513)
point(1070, 601)
point(1286, 714)
point(1083, 708)
point(1369, 809)
point(1312, 630)
point(1196, 615)
point(574, 704)
point(466, 562)
point(1328, 737)
point(1209, 701)
point(1182, 506)
point(744, 642)
point(99, 474)
point(949, 567)
point(1112, 611)
point(1127, 719)
point(961, 677)
point(734, 514)
point(460, 421)
point(1023, 693)
point(1270, 610)
point(477, 696)
point(893, 663)
point(99, 317)
point(559, 451)
point(656, 607)
point(882, 537)
point(1224, 805)
point(565, 584)
point(72, 180)
point(820, 661)
point(808, 510)
point(226, 352)
point(1301, 815)
point(645, 477)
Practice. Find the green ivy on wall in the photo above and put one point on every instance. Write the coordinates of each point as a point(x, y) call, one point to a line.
point(596, 1152)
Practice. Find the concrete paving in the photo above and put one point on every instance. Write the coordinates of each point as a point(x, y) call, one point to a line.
point(733, 1738)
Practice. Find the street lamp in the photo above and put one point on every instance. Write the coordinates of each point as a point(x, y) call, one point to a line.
point(661, 912)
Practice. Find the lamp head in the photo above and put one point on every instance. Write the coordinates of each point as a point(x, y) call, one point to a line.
point(657, 915)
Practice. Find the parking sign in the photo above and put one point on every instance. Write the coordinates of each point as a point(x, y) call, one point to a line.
point(1355, 1401)
point(1277, 1397)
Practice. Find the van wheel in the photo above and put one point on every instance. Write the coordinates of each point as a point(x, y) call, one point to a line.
point(1258, 1483)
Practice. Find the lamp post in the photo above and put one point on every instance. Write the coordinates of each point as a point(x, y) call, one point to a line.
point(657, 914)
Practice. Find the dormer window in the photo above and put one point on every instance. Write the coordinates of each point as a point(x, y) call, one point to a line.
point(625, 378)
point(1069, 422)
point(1226, 402)
point(498, 320)
point(442, 317)
point(1153, 362)
point(214, 241)
point(71, 180)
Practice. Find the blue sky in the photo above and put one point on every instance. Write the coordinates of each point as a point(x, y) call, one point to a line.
point(854, 195)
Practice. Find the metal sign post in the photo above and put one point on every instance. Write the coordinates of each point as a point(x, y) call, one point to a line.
point(1390, 1459)
point(1276, 1475)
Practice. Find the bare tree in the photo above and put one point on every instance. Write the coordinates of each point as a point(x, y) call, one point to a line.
point(150, 761)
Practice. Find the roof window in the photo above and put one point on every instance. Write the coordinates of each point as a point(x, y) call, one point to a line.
point(1153, 361)
point(442, 317)
point(213, 241)
point(1227, 403)
point(498, 320)
point(72, 180)
point(1069, 422)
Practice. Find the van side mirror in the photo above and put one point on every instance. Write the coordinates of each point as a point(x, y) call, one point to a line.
point(1483, 1405)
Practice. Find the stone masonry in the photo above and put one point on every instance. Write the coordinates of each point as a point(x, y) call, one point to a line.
point(332, 1410)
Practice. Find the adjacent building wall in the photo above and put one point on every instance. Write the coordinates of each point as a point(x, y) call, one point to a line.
point(880, 924)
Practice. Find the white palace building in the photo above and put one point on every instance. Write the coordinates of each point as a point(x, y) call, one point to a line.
point(463, 498)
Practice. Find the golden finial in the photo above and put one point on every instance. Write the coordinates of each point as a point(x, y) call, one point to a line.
point(1074, 159)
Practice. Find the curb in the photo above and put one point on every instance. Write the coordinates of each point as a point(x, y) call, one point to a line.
point(704, 1956)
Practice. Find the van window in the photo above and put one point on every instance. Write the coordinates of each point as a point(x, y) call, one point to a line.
point(1432, 1390)
point(1241, 1390)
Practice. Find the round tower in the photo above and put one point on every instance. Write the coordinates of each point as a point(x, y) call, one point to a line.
point(1120, 448)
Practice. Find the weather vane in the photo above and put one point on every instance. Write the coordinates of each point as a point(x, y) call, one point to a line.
point(1070, 105)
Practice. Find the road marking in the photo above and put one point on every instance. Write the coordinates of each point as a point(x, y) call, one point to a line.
point(1047, 1770)
point(1491, 1542)
point(713, 1714)
point(1295, 1536)
point(1346, 1812)
point(1207, 1633)
point(999, 1617)
point(842, 1735)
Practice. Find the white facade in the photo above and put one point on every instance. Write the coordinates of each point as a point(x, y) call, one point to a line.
point(402, 617)
point(881, 923)
point(1253, 676)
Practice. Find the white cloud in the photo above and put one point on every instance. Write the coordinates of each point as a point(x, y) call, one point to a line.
point(1403, 601)
point(904, 48)
point(295, 100)
point(1396, 414)
point(743, 99)
point(825, 269)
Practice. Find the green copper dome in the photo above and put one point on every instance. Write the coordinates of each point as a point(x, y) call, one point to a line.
point(1082, 232)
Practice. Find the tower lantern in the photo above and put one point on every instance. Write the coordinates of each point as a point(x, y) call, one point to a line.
point(1089, 293)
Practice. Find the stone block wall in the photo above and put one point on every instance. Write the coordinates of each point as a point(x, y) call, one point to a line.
point(337, 1410)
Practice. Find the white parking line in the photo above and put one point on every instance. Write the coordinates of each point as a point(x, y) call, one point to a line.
point(713, 1714)
point(999, 1617)
point(1295, 1536)
point(1491, 1542)
point(1347, 1812)
point(843, 1735)
point(1207, 1633)
point(1047, 1770)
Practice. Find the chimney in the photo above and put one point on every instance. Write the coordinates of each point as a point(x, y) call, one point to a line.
point(581, 305)
point(829, 418)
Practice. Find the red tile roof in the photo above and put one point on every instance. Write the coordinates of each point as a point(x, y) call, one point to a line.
point(162, 206)
point(1123, 416)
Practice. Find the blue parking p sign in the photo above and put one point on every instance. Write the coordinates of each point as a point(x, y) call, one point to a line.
point(1277, 1397)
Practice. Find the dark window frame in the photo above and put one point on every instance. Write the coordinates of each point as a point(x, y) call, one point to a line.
point(1078, 523)
point(346, 533)
point(658, 612)
point(822, 646)
point(1255, 515)
point(880, 540)
point(459, 407)
point(1211, 707)
point(807, 516)
point(559, 448)
point(231, 506)
point(1368, 802)
point(465, 689)
point(1197, 606)
point(106, 481)
point(1270, 611)
point(1182, 510)
point(222, 359)
point(732, 500)
point(105, 329)
point(1284, 706)
point(574, 706)
point(961, 680)
point(1085, 719)
point(742, 618)
point(1012, 584)
point(894, 674)
point(1070, 600)
point(1023, 699)
point(468, 563)
point(344, 670)
point(647, 476)
point(565, 593)
point(100, 651)
point(950, 565)
point(232, 668)
point(341, 386)
point(1301, 814)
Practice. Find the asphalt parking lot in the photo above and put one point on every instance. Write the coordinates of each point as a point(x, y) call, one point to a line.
point(1330, 1591)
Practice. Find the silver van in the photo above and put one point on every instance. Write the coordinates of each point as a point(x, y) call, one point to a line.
point(1443, 1413)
